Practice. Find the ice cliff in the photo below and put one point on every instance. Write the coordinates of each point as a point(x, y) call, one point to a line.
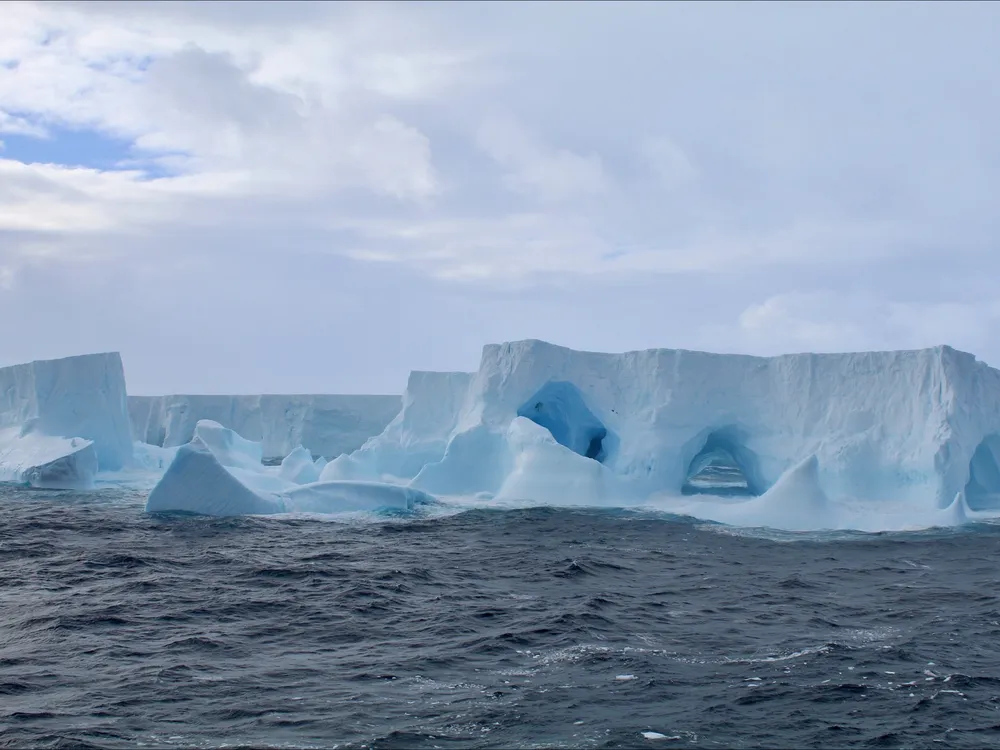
point(546, 423)
point(63, 420)
point(327, 425)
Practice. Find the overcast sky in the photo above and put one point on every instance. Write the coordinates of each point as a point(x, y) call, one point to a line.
point(285, 197)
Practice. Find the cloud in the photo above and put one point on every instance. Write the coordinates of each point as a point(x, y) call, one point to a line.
point(55, 198)
point(501, 250)
point(819, 321)
point(829, 321)
point(6, 278)
point(281, 105)
point(695, 174)
point(668, 161)
point(12, 125)
point(352, 109)
point(543, 172)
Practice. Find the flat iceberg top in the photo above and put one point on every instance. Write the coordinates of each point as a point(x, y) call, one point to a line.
point(72, 361)
point(527, 344)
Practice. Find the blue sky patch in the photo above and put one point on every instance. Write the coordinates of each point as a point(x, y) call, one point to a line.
point(77, 148)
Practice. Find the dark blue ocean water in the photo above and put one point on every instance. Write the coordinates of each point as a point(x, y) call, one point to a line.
point(518, 628)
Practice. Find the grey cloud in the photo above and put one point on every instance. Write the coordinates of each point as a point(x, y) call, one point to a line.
point(830, 168)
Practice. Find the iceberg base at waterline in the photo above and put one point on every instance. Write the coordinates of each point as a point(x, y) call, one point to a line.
point(219, 473)
point(869, 441)
point(46, 461)
point(63, 420)
point(798, 503)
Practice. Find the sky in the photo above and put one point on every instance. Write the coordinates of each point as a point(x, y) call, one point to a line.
point(318, 198)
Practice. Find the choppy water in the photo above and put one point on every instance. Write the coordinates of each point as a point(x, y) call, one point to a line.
point(517, 628)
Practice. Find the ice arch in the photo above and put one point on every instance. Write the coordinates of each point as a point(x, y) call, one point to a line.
point(723, 466)
point(983, 489)
point(559, 407)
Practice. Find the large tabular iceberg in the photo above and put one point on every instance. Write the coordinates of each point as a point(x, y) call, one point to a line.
point(913, 429)
point(874, 441)
point(327, 425)
point(63, 420)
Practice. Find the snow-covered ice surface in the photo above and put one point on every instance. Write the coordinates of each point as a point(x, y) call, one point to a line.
point(63, 420)
point(327, 425)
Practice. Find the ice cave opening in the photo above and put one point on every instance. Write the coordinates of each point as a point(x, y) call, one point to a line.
point(722, 467)
point(559, 407)
point(983, 489)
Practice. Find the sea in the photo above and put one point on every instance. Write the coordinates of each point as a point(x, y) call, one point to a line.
point(487, 628)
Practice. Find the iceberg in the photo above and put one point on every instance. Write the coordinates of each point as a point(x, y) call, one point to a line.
point(326, 425)
point(63, 420)
point(871, 441)
point(299, 467)
point(219, 473)
point(808, 433)
point(46, 461)
point(418, 434)
point(197, 482)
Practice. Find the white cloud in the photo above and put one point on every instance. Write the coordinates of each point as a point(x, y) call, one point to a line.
point(829, 321)
point(12, 125)
point(342, 106)
point(490, 145)
point(396, 159)
point(668, 161)
point(542, 172)
point(6, 278)
point(282, 105)
point(503, 249)
point(55, 198)
point(806, 322)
